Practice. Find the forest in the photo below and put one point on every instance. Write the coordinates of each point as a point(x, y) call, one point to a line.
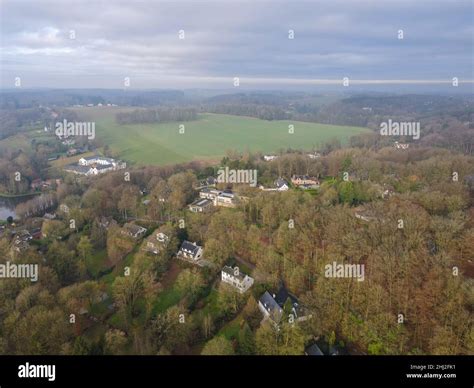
point(100, 293)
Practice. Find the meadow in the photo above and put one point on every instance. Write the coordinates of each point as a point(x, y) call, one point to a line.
point(207, 138)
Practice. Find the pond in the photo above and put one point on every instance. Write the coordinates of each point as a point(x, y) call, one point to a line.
point(8, 205)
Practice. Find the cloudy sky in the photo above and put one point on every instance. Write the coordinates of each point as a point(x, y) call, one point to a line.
point(96, 44)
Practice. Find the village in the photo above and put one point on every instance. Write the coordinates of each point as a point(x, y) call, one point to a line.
point(137, 238)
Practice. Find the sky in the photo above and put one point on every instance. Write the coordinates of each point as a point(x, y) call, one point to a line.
point(104, 44)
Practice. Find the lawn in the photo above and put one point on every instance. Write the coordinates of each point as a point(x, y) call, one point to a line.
point(207, 138)
point(22, 141)
point(231, 329)
point(96, 262)
point(61, 162)
point(169, 297)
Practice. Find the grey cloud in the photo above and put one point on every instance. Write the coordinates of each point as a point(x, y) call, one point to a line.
point(229, 38)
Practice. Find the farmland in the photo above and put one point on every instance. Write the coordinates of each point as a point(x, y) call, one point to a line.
point(207, 138)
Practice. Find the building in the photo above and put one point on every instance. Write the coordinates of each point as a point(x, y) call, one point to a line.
point(401, 146)
point(68, 142)
point(64, 208)
point(313, 350)
point(224, 198)
point(208, 193)
point(21, 241)
point(315, 155)
point(36, 233)
point(92, 160)
point(36, 184)
point(190, 251)
point(388, 192)
point(269, 158)
point(106, 223)
point(200, 205)
point(281, 185)
point(20, 245)
point(95, 165)
point(305, 181)
point(322, 348)
point(364, 214)
point(276, 306)
point(155, 243)
point(236, 279)
point(209, 181)
point(132, 230)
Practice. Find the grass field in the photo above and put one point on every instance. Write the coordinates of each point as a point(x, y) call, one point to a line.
point(61, 162)
point(207, 138)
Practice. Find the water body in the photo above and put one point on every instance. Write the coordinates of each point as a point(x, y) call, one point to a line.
point(8, 205)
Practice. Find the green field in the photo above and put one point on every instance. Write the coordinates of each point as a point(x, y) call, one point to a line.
point(207, 138)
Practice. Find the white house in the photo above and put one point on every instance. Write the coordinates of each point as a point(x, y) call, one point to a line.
point(281, 185)
point(316, 155)
point(224, 198)
point(96, 160)
point(402, 146)
point(269, 158)
point(95, 165)
point(190, 251)
point(236, 279)
point(272, 307)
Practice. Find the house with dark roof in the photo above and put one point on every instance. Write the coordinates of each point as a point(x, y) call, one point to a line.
point(236, 278)
point(189, 251)
point(276, 306)
point(281, 184)
point(210, 181)
point(313, 350)
point(321, 347)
